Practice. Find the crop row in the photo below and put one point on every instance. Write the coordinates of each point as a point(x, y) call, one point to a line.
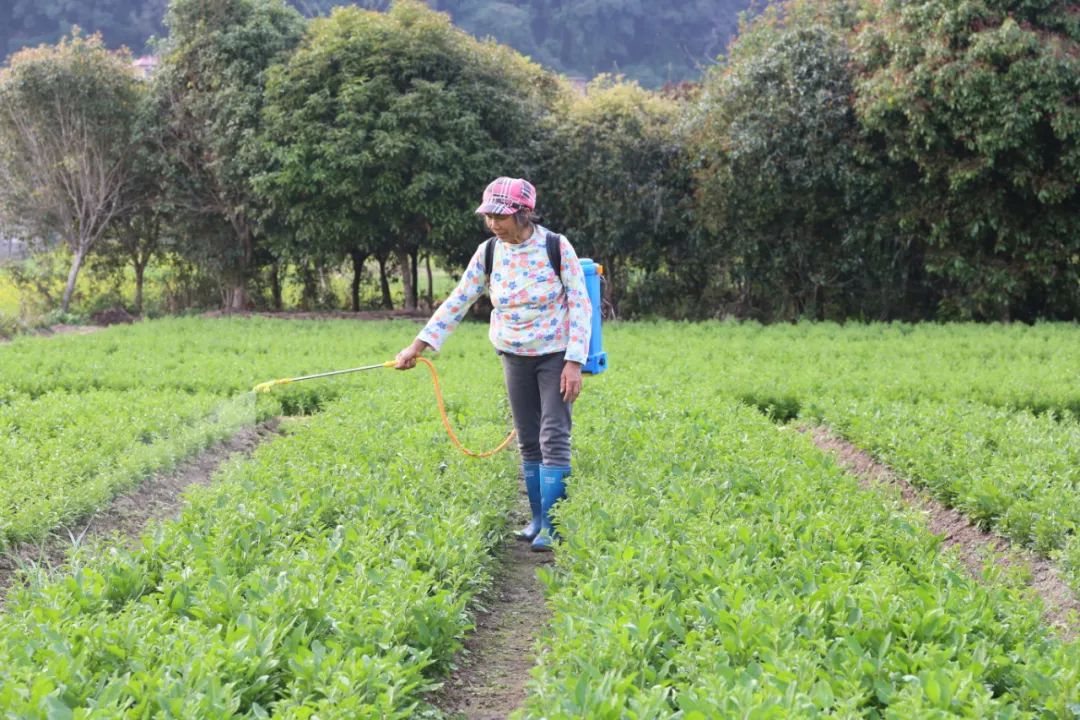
point(714, 565)
point(1014, 472)
point(326, 576)
point(1013, 366)
point(718, 566)
point(63, 454)
point(779, 368)
point(198, 355)
point(83, 418)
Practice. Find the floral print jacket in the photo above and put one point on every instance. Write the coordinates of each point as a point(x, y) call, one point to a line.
point(535, 311)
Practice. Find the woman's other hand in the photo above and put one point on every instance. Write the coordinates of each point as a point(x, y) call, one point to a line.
point(406, 359)
point(570, 381)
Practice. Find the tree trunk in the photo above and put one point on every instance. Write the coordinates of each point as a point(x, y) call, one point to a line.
point(430, 288)
point(358, 260)
point(275, 285)
point(384, 283)
point(414, 264)
point(309, 293)
point(237, 296)
point(140, 271)
point(407, 285)
point(69, 289)
point(325, 299)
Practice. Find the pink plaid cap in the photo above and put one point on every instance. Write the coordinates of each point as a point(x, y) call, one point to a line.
point(505, 196)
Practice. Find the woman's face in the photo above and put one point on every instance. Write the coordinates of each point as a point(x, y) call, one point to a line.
point(505, 227)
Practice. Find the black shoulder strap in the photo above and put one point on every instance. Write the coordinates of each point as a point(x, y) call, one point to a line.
point(489, 255)
point(554, 252)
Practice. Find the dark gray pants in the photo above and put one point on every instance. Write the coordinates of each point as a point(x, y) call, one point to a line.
point(541, 418)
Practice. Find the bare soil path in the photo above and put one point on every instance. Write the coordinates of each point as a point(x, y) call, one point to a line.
point(973, 545)
point(489, 680)
point(54, 330)
point(128, 514)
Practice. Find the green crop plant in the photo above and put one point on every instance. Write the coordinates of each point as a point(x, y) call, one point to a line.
point(330, 575)
point(223, 356)
point(1013, 472)
point(1012, 366)
point(63, 454)
point(718, 566)
point(787, 366)
point(715, 562)
point(85, 417)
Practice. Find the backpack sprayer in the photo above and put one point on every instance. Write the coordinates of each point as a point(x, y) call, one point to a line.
point(597, 360)
point(594, 365)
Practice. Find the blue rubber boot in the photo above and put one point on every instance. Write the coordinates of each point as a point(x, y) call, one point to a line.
point(552, 489)
point(531, 472)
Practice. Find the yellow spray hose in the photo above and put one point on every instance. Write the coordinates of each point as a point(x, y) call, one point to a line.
point(267, 386)
point(446, 420)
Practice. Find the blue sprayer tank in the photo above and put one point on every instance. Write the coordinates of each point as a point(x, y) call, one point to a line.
point(597, 361)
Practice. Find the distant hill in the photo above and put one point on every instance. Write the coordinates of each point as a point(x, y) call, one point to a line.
point(651, 42)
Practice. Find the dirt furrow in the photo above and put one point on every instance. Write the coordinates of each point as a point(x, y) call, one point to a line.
point(972, 544)
point(128, 514)
point(489, 680)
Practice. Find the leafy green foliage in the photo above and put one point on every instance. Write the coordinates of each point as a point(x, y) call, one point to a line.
point(1015, 367)
point(985, 417)
point(221, 356)
point(610, 176)
point(329, 575)
point(895, 160)
point(210, 89)
point(779, 184)
point(383, 128)
point(867, 160)
point(1013, 472)
point(86, 417)
point(713, 564)
point(721, 568)
point(64, 454)
point(974, 105)
point(141, 232)
point(67, 116)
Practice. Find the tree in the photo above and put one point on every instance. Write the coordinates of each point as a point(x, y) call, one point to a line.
point(136, 235)
point(211, 88)
point(792, 194)
point(383, 128)
point(773, 142)
point(66, 118)
point(974, 105)
point(610, 177)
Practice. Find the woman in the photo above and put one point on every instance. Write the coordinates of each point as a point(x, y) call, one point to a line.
point(540, 327)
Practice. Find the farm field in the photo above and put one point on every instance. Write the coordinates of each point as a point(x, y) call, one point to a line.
point(715, 564)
